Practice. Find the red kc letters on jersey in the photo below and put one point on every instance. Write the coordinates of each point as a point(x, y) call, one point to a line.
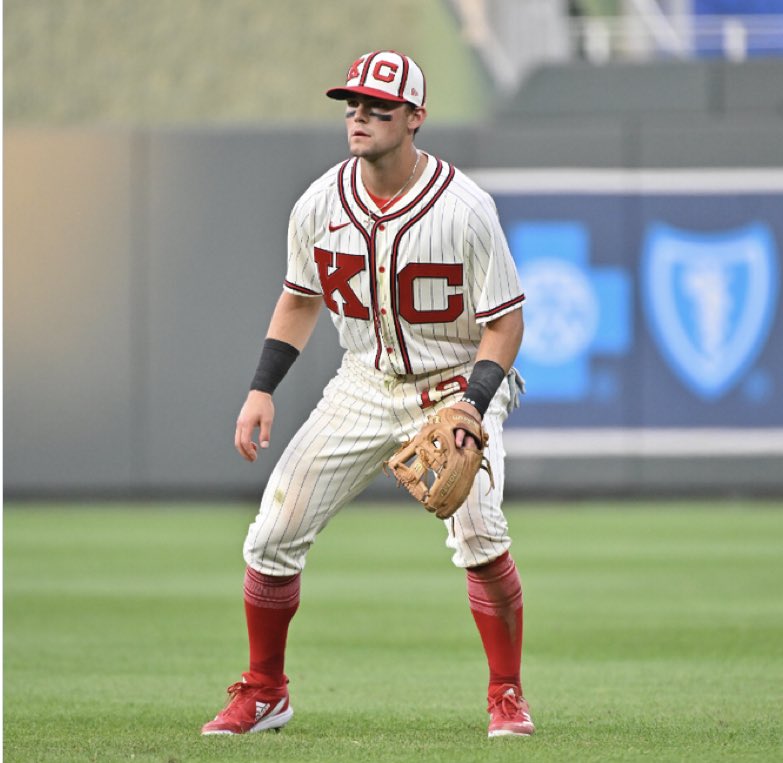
point(452, 273)
point(345, 267)
point(335, 269)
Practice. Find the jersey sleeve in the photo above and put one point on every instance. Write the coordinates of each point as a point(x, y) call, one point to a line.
point(301, 273)
point(496, 286)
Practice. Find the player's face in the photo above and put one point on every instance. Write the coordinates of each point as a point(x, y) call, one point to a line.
point(376, 127)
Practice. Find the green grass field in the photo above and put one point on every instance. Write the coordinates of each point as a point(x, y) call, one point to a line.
point(653, 632)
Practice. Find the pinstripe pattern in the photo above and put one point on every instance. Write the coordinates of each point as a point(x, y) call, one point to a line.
point(447, 230)
point(478, 532)
point(446, 219)
point(360, 421)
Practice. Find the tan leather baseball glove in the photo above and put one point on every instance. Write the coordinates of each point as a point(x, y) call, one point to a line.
point(437, 473)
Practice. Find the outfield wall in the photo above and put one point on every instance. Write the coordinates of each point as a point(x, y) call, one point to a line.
point(141, 267)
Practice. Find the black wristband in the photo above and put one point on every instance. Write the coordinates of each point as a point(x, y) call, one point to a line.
point(276, 358)
point(484, 381)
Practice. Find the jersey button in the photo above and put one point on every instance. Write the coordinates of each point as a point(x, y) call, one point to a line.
point(381, 227)
point(390, 349)
point(381, 269)
point(383, 311)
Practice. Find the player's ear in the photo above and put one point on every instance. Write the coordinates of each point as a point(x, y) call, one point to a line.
point(416, 117)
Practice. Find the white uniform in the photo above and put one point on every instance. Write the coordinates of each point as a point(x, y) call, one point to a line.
point(408, 290)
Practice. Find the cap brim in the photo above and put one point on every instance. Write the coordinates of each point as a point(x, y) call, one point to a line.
point(344, 93)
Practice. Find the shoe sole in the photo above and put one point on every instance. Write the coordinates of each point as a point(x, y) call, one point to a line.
point(507, 733)
point(276, 722)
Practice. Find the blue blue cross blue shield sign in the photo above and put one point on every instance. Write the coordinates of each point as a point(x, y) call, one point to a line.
point(710, 299)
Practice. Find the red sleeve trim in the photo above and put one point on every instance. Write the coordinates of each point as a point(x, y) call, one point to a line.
point(301, 289)
point(500, 308)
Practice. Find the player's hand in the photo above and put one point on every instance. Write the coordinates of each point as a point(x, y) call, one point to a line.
point(463, 439)
point(257, 412)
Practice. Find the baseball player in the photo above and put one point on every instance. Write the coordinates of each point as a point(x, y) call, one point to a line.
point(408, 256)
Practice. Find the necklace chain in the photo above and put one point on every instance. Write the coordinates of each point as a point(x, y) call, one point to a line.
point(404, 185)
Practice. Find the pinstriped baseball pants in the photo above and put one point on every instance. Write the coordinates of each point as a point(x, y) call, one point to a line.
point(362, 418)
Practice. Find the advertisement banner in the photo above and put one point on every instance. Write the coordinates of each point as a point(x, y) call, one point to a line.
point(653, 297)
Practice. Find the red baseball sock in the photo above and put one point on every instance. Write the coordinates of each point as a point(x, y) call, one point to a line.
point(270, 604)
point(495, 596)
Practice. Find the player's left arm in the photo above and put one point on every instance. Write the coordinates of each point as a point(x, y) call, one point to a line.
point(502, 339)
point(500, 345)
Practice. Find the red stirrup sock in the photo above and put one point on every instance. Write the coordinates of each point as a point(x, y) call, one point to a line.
point(495, 596)
point(270, 604)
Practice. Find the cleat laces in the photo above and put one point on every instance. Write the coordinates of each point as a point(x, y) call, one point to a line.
point(234, 692)
point(508, 706)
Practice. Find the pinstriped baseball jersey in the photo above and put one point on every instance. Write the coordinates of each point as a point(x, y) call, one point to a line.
point(407, 288)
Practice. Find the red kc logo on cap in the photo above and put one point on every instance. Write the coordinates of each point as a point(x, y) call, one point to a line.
point(353, 72)
point(385, 76)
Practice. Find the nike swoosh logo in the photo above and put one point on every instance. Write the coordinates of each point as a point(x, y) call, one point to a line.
point(333, 228)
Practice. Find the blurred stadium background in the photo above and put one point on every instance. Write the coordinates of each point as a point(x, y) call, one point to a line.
point(152, 152)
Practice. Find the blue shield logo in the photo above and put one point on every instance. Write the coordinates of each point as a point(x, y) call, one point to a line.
point(710, 299)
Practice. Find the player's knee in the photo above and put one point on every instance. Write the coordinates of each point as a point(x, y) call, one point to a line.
point(274, 559)
point(274, 548)
point(473, 547)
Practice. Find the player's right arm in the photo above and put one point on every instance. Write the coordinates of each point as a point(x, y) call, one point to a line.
point(293, 322)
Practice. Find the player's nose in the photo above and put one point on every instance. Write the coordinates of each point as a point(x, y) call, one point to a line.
point(362, 113)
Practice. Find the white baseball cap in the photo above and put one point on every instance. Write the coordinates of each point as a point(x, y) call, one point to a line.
point(383, 74)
